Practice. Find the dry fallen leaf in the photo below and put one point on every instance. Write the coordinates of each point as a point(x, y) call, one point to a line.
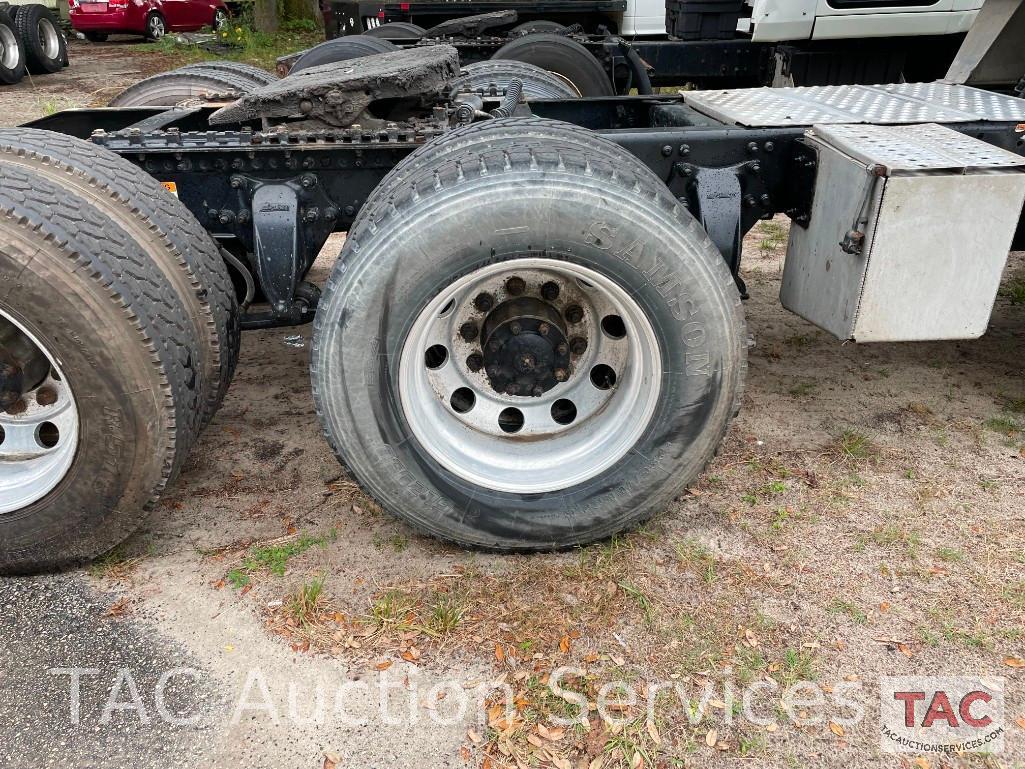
point(884, 606)
point(499, 653)
point(331, 761)
point(1014, 662)
point(922, 763)
point(564, 644)
point(1020, 720)
point(653, 732)
point(836, 729)
point(475, 738)
point(383, 665)
point(711, 738)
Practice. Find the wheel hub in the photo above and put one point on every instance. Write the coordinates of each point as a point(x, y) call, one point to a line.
point(529, 375)
point(525, 348)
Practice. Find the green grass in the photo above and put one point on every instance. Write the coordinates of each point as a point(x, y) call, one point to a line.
point(949, 554)
point(247, 45)
point(445, 614)
point(1014, 290)
point(274, 558)
point(797, 666)
point(1004, 425)
point(855, 446)
point(840, 606)
point(303, 603)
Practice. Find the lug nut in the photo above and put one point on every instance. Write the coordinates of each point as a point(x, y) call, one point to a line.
point(574, 313)
point(46, 396)
point(578, 345)
point(561, 375)
point(468, 331)
point(515, 327)
point(484, 302)
point(561, 348)
point(515, 285)
point(474, 362)
point(18, 407)
point(550, 291)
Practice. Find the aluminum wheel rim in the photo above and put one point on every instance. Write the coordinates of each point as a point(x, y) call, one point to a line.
point(48, 37)
point(220, 19)
point(8, 48)
point(156, 26)
point(543, 455)
point(38, 444)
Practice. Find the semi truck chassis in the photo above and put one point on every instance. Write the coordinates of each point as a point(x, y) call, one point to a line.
point(533, 337)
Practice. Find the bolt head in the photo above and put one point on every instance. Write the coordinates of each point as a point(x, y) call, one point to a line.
point(18, 407)
point(468, 331)
point(550, 291)
point(561, 348)
point(515, 285)
point(484, 302)
point(543, 329)
point(561, 375)
point(46, 396)
point(578, 345)
point(515, 327)
point(574, 313)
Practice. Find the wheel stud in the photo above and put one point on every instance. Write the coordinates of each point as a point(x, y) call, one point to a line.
point(46, 396)
point(543, 329)
point(550, 291)
point(468, 331)
point(578, 345)
point(561, 348)
point(515, 327)
point(574, 313)
point(475, 362)
point(515, 285)
point(561, 375)
point(484, 302)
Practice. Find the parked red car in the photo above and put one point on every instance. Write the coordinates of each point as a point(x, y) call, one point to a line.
point(152, 18)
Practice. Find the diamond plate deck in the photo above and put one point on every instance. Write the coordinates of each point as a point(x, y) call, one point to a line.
point(898, 103)
point(915, 147)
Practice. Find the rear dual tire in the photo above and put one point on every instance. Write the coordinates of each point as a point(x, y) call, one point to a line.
point(111, 295)
point(556, 205)
point(46, 50)
point(12, 51)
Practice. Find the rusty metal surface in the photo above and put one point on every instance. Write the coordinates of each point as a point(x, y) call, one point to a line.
point(338, 94)
point(472, 26)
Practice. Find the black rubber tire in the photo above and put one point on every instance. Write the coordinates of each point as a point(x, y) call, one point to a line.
point(609, 208)
point(396, 30)
point(151, 32)
point(125, 345)
point(537, 83)
point(170, 88)
point(161, 225)
point(28, 21)
point(259, 77)
point(11, 37)
point(539, 25)
point(563, 56)
point(342, 49)
point(96, 37)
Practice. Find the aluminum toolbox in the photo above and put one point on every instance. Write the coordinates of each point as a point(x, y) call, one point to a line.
point(927, 215)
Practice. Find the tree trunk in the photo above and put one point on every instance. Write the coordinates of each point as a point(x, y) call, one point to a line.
point(265, 15)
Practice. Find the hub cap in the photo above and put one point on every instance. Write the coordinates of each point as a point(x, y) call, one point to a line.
point(8, 48)
point(530, 375)
point(39, 426)
point(48, 37)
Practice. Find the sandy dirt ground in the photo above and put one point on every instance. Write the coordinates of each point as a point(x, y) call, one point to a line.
point(863, 519)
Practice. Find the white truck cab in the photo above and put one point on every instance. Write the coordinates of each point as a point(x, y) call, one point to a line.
point(786, 20)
